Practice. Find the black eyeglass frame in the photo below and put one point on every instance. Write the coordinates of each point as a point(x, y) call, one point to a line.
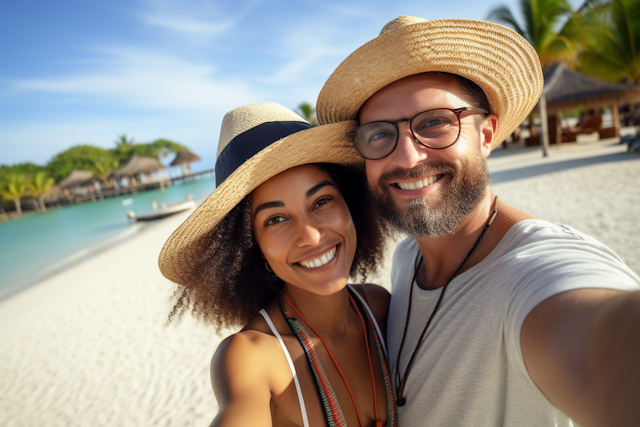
point(457, 111)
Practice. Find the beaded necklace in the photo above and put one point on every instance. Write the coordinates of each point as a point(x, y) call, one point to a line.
point(332, 410)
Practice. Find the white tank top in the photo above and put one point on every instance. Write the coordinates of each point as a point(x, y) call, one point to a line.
point(303, 410)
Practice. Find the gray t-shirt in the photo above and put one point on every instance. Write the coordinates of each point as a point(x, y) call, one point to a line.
point(469, 370)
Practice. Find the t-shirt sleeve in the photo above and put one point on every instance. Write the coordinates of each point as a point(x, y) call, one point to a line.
point(403, 257)
point(556, 260)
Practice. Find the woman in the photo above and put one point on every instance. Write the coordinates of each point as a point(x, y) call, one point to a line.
point(272, 249)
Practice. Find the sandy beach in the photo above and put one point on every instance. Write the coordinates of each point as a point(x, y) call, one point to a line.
point(87, 346)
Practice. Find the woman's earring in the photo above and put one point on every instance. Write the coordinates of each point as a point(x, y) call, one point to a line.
point(266, 265)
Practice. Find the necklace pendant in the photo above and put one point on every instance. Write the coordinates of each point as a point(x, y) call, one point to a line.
point(401, 401)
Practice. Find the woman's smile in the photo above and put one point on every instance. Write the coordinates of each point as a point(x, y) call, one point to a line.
point(304, 229)
point(322, 261)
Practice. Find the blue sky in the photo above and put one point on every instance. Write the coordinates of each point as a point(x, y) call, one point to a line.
point(74, 72)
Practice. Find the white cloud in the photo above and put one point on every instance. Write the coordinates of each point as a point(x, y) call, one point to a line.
point(193, 17)
point(181, 93)
point(309, 50)
point(186, 24)
point(138, 78)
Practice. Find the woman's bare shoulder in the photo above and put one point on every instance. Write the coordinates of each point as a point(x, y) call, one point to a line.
point(251, 344)
point(239, 352)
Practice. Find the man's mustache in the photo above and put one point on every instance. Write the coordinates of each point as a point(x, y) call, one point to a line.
point(417, 172)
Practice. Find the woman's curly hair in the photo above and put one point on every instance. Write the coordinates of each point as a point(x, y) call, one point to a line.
point(230, 284)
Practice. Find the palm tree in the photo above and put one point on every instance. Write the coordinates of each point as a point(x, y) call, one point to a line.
point(15, 189)
point(309, 113)
point(39, 186)
point(103, 169)
point(612, 50)
point(551, 26)
point(123, 147)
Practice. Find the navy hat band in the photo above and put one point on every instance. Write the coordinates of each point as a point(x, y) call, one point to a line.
point(251, 142)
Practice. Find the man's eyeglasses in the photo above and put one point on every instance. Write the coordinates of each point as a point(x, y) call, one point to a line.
point(437, 129)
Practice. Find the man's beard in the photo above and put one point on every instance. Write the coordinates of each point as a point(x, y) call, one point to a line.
point(420, 217)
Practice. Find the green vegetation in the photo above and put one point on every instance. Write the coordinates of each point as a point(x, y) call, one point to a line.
point(14, 189)
point(601, 38)
point(308, 113)
point(80, 157)
point(103, 167)
point(39, 186)
point(125, 148)
point(551, 26)
point(612, 49)
point(30, 180)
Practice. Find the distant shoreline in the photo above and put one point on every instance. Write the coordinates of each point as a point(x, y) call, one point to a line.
point(11, 289)
point(25, 282)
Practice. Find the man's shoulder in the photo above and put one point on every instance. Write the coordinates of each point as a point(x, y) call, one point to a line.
point(405, 252)
point(550, 250)
point(531, 235)
point(404, 258)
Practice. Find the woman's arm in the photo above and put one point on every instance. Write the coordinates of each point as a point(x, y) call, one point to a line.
point(240, 382)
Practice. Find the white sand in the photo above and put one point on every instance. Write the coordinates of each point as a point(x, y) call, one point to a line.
point(88, 347)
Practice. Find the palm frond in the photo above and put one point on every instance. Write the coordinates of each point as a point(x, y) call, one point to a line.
point(502, 14)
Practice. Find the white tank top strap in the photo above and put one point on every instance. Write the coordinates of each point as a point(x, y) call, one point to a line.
point(303, 409)
point(373, 318)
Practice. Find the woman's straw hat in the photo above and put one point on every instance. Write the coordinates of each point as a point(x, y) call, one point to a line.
point(496, 58)
point(257, 142)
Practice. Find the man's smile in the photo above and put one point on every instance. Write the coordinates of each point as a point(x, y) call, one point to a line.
point(414, 185)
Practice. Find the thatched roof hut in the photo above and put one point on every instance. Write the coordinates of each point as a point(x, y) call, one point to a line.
point(77, 179)
point(139, 165)
point(566, 89)
point(185, 156)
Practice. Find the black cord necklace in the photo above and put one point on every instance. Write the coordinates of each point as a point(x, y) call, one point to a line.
point(401, 400)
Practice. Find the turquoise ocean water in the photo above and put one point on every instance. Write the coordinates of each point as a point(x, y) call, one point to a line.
point(41, 243)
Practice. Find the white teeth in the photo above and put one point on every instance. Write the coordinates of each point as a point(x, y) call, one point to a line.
point(418, 184)
point(319, 262)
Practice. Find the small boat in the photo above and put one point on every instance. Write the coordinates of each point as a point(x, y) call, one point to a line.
point(162, 211)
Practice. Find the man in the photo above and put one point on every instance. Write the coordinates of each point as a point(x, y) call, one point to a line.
point(496, 318)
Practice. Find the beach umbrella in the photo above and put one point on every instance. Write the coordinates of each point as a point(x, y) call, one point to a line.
point(184, 158)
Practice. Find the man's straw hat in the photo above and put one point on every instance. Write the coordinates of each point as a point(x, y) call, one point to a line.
point(256, 143)
point(496, 58)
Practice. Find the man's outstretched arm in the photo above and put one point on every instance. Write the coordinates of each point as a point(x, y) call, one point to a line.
point(582, 349)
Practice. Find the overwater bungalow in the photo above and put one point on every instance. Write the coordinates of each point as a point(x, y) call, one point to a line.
point(141, 170)
point(184, 158)
point(79, 183)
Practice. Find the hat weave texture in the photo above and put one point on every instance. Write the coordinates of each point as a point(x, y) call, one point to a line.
point(494, 57)
point(321, 144)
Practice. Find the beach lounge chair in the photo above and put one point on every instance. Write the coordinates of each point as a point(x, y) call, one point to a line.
point(586, 125)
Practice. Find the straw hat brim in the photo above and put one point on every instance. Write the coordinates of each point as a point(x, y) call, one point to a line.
point(322, 144)
point(494, 57)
